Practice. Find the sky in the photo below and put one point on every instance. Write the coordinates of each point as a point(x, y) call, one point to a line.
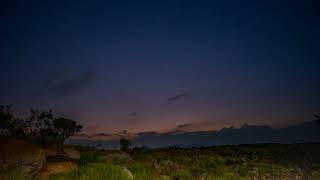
point(137, 66)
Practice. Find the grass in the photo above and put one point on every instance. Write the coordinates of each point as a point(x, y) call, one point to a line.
point(214, 163)
point(89, 157)
point(95, 171)
point(140, 172)
point(184, 175)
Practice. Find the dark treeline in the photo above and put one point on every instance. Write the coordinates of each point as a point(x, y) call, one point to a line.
point(42, 127)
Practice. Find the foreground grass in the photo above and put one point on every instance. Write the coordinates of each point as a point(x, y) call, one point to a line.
point(95, 171)
point(140, 172)
point(213, 163)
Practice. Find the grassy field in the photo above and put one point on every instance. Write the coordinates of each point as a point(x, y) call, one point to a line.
point(256, 162)
point(268, 161)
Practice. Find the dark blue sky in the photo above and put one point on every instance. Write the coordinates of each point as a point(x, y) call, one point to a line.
point(155, 65)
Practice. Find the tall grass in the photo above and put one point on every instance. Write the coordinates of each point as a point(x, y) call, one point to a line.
point(95, 171)
point(89, 157)
point(140, 172)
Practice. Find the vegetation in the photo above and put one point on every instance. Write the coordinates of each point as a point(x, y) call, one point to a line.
point(125, 144)
point(64, 128)
point(10, 125)
point(238, 162)
point(95, 171)
point(41, 125)
point(87, 157)
point(241, 162)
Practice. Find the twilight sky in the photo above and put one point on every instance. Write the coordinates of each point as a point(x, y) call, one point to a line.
point(160, 65)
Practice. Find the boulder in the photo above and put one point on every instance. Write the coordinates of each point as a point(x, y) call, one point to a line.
point(129, 174)
point(23, 157)
point(72, 153)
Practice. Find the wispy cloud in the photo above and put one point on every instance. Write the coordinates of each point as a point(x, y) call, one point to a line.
point(63, 84)
point(178, 97)
point(184, 126)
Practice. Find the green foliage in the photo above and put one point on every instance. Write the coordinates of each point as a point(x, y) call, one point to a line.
point(213, 164)
point(140, 172)
point(186, 164)
point(184, 175)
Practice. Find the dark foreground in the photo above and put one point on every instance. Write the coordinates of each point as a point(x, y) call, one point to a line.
point(261, 161)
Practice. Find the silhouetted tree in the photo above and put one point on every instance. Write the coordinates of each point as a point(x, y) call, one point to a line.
point(10, 125)
point(42, 124)
point(125, 144)
point(64, 128)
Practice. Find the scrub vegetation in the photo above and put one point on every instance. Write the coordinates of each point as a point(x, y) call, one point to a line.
point(262, 161)
point(233, 162)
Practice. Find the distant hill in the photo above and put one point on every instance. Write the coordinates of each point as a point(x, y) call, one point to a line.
point(307, 132)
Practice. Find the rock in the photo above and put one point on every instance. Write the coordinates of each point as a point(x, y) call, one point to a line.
point(24, 157)
point(72, 153)
point(33, 164)
point(129, 174)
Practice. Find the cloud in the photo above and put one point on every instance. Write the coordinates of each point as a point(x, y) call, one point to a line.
point(196, 126)
point(102, 134)
point(178, 97)
point(248, 134)
point(147, 133)
point(183, 126)
point(63, 84)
